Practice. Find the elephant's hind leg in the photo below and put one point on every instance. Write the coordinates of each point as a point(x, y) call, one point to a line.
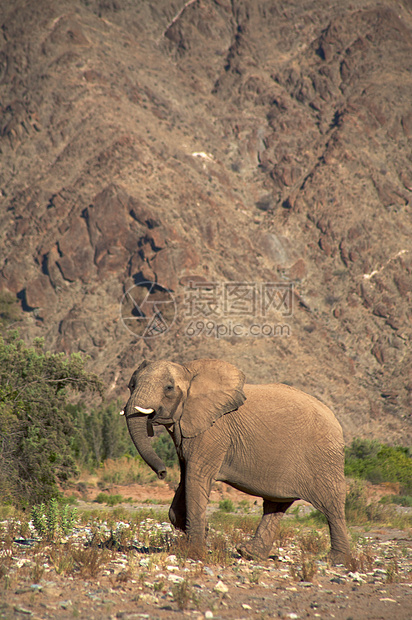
point(259, 547)
point(340, 548)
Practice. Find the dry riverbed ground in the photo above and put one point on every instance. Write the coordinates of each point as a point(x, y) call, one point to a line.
point(128, 563)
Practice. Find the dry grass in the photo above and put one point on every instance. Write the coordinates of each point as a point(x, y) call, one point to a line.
point(313, 542)
point(184, 594)
point(286, 531)
point(90, 561)
point(361, 560)
point(306, 568)
point(128, 470)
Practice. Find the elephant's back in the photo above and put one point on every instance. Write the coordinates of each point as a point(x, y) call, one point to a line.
point(284, 402)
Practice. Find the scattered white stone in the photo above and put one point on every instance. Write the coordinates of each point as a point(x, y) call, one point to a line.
point(209, 615)
point(221, 587)
point(150, 599)
point(388, 600)
point(172, 568)
point(246, 606)
point(356, 577)
point(292, 616)
point(175, 578)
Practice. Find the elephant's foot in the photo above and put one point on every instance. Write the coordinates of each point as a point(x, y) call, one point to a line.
point(252, 550)
point(196, 551)
point(339, 557)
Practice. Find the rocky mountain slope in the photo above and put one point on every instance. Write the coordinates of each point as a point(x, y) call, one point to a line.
point(252, 159)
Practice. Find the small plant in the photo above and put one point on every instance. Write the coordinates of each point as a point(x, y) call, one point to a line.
point(226, 505)
point(255, 576)
point(51, 520)
point(313, 542)
point(244, 505)
point(158, 586)
point(307, 570)
point(219, 549)
point(61, 558)
point(362, 560)
point(183, 595)
point(285, 532)
point(89, 561)
point(392, 571)
point(37, 571)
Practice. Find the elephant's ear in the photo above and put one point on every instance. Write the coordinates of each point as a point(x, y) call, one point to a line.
point(215, 389)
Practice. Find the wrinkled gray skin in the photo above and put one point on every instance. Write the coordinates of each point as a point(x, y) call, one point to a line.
point(271, 441)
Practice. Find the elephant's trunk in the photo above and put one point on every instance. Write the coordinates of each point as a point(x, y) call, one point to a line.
point(137, 425)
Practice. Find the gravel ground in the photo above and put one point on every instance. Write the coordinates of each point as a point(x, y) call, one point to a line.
point(138, 582)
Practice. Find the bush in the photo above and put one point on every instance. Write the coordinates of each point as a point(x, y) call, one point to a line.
point(226, 505)
point(165, 448)
point(100, 434)
point(359, 511)
point(377, 463)
point(10, 311)
point(110, 500)
point(52, 520)
point(35, 430)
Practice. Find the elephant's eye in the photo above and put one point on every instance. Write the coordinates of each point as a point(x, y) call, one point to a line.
point(169, 388)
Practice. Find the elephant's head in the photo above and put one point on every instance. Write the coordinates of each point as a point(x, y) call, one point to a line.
point(192, 396)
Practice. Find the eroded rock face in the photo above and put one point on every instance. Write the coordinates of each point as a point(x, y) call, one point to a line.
point(206, 144)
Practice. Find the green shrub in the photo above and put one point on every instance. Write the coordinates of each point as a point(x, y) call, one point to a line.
point(51, 520)
point(110, 500)
point(100, 433)
point(35, 430)
point(165, 448)
point(10, 311)
point(226, 505)
point(359, 511)
point(400, 500)
point(378, 463)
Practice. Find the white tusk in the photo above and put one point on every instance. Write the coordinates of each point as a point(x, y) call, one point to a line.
point(122, 412)
point(146, 411)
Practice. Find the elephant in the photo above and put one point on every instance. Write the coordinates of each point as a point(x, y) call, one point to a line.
point(271, 441)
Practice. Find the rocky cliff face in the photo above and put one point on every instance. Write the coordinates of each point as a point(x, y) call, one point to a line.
point(251, 159)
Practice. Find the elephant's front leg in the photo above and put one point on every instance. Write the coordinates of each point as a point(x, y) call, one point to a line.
point(259, 547)
point(177, 510)
point(198, 489)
